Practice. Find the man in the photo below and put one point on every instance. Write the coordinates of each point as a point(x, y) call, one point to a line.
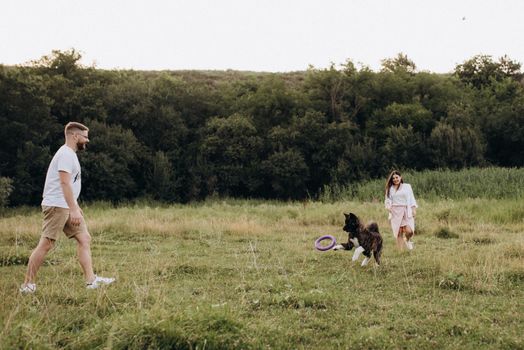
point(62, 212)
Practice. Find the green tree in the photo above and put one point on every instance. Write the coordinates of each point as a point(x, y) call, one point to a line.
point(65, 78)
point(270, 103)
point(161, 179)
point(392, 87)
point(328, 90)
point(128, 103)
point(287, 173)
point(455, 147)
point(230, 154)
point(501, 116)
point(30, 169)
point(320, 144)
point(26, 133)
point(482, 70)
point(402, 148)
point(305, 134)
point(360, 99)
point(436, 92)
point(114, 165)
point(64, 63)
point(359, 160)
point(399, 64)
point(6, 187)
point(406, 115)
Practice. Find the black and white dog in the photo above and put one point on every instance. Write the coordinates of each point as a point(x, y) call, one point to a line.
point(366, 239)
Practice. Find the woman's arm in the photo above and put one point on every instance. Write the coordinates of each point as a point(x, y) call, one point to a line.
point(387, 203)
point(411, 201)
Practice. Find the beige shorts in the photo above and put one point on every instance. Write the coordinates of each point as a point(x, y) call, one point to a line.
point(57, 220)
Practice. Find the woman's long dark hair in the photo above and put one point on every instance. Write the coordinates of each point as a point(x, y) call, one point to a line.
point(389, 181)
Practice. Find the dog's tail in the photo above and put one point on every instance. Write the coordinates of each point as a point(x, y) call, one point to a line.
point(373, 227)
point(377, 249)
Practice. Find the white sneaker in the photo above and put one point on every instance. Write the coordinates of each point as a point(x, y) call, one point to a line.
point(99, 281)
point(27, 288)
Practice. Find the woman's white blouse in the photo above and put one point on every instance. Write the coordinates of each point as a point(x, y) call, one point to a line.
point(404, 196)
point(400, 196)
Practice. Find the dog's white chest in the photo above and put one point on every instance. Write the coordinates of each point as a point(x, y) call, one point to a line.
point(354, 241)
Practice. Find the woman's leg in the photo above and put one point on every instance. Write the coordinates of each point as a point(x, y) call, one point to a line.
point(408, 232)
point(400, 238)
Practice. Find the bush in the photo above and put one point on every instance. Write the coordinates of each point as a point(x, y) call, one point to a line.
point(6, 187)
point(452, 281)
point(439, 184)
point(445, 233)
point(11, 260)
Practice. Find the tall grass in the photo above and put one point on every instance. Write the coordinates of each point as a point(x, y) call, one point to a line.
point(240, 274)
point(491, 183)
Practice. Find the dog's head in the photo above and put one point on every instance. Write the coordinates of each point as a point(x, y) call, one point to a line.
point(351, 224)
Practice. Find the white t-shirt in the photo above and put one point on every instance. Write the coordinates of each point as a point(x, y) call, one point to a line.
point(65, 159)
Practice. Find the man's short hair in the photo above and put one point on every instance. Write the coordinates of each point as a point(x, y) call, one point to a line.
point(72, 127)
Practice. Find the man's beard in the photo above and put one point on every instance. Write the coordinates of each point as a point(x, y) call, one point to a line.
point(81, 146)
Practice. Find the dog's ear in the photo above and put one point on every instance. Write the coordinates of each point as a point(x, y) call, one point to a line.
point(346, 215)
point(353, 216)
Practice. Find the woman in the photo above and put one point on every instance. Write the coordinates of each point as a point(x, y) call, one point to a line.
point(402, 207)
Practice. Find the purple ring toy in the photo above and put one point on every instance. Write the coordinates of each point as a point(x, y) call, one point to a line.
point(327, 247)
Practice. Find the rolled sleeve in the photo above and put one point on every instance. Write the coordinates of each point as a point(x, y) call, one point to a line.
point(65, 164)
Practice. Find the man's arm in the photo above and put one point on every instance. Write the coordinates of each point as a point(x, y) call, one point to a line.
point(75, 212)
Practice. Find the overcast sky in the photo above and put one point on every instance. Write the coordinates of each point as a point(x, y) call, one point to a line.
point(263, 35)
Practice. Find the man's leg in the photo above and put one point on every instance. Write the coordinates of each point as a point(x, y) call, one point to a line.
point(37, 258)
point(83, 239)
point(83, 250)
point(53, 222)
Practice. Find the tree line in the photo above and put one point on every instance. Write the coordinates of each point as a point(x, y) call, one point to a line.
point(187, 135)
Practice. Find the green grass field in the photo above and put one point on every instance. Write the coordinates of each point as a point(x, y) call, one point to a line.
point(245, 274)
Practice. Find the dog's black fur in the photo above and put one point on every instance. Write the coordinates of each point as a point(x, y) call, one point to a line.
point(368, 237)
